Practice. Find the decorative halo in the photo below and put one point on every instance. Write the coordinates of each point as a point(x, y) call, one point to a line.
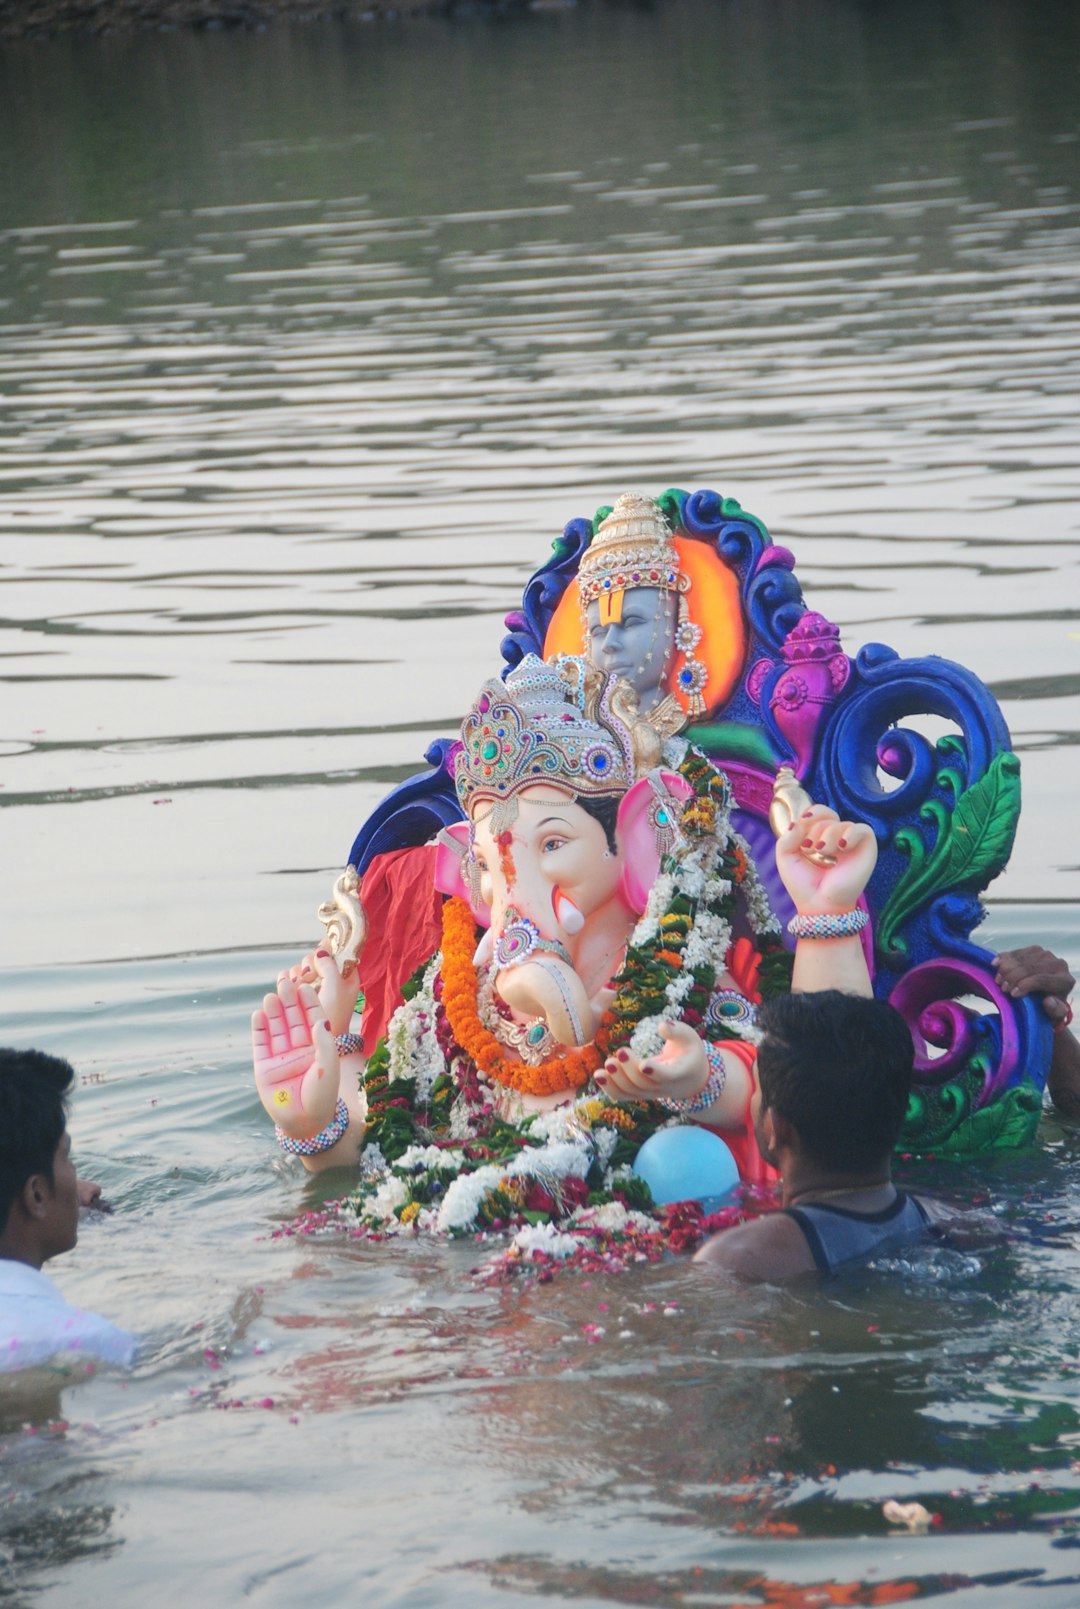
point(713, 598)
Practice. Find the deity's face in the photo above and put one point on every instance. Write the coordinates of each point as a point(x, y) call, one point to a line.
point(637, 647)
point(554, 862)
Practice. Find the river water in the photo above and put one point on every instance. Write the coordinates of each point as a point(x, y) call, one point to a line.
point(312, 341)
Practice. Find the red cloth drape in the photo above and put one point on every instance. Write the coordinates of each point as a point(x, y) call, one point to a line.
point(403, 909)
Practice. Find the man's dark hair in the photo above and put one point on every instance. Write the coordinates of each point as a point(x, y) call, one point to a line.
point(839, 1068)
point(33, 1093)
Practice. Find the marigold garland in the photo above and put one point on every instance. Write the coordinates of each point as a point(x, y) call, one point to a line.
point(569, 1070)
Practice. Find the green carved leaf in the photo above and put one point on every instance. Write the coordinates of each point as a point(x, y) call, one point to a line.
point(1006, 1124)
point(972, 845)
point(735, 740)
point(670, 505)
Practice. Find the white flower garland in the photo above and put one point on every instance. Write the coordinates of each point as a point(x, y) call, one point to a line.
point(411, 1039)
point(566, 1145)
point(694, 877)
point(707, 942)
point(763, 919)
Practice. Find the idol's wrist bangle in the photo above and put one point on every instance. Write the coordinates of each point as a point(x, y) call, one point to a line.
point(322, 1141)
point(828, 924)
point(347, 1043)
point(714, 1087)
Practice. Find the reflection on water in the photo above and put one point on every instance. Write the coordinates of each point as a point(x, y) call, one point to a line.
point(316, 338)
point(312, 341)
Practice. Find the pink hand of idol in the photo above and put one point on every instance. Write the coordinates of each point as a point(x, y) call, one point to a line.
point(338, 992)
point(295, 1060)
point(678, 1072)
point(815, 888)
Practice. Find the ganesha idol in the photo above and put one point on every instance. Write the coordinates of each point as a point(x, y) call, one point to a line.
point(582, 995)
point(562, 988)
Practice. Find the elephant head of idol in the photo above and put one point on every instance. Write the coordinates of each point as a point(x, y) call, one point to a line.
point(568, 815)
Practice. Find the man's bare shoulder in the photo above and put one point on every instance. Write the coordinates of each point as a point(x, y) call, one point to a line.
point(770, 1247)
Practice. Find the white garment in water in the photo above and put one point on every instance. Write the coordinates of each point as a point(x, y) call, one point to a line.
point(36, 1323)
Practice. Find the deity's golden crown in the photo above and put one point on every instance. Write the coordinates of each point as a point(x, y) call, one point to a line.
point(548, 722)
point(632, 547)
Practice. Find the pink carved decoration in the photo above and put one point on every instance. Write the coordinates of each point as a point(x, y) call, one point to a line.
point(817, 672)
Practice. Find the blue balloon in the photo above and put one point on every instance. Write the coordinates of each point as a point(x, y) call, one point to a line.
point(687, 1163)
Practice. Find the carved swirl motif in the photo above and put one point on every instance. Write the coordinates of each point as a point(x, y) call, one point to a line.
point(343, 917)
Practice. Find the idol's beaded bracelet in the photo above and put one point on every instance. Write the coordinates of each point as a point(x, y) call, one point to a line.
point(347, 1043)
point(712, 1092)
point(322, 1141)
point(826, 925)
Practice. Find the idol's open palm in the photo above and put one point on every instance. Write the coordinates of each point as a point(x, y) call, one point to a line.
point(295, 1060)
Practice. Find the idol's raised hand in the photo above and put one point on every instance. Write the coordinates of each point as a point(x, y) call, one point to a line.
point(845, 854)
point(295, 1060)
point(338, 991)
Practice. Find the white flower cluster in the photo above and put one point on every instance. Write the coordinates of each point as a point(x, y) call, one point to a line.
point(545, 1239)
point(660, 897)
point(706, 944)
point(436, 1158)
point(411, 1040)
point(762, 917)
point(461, 1203)
point(646, 1039)
point(612, 1215)
point(391, 1194)
point(548, 1164)
point(372, 1162)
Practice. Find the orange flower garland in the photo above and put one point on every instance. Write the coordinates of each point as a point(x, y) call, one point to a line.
point(460, 987)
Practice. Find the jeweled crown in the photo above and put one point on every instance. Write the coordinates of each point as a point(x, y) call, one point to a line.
point(548, 722)
point(632, 547)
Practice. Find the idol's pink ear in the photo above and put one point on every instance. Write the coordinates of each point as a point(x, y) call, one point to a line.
point(451, 847)
point(647, 826)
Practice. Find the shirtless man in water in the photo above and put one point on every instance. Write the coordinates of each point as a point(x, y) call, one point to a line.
point(834, 1073)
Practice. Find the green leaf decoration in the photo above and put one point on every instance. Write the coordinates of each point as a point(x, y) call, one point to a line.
point(972, 844)
point(734, 740)
point(1006, 1124)
point(670, 505)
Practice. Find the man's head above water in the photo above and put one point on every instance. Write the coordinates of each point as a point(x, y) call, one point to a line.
point(835, 1073)
point(39, 1203)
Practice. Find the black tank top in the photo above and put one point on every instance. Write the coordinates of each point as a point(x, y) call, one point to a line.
point(839, 1237)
